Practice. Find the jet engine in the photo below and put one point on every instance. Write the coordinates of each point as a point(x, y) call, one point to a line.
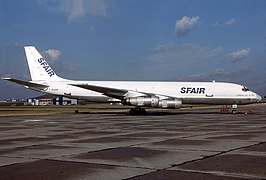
point(154, 101)
point(170, 103)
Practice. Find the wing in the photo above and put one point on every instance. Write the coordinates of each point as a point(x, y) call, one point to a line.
point(111, 92)
point(27, 84)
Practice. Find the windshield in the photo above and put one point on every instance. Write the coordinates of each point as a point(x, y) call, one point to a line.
point(245, 89)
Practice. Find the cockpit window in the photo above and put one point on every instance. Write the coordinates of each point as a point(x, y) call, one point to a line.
point(245, 89)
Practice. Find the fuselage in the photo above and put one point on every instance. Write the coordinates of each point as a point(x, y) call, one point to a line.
point(188, 92)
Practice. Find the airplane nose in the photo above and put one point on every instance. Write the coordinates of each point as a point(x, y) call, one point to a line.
point(259, 98)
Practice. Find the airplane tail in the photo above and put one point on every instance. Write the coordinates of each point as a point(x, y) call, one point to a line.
point(39, 68)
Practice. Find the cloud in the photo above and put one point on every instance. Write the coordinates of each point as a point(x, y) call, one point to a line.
point(216, 24)
point(78, 9)
point(172, 60)
point(230, 22)
point(221, 72)
point(97, 8)
point(218, 73)
point(194, 77)
point(182, 54)
point(52, 55)
point(185, 25)
point(240, 54)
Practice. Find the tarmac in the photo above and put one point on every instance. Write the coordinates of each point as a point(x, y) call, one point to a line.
point(172, 144)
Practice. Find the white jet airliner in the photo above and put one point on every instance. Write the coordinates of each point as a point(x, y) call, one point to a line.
point(140, 94)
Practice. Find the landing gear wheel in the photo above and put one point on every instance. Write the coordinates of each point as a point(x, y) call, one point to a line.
point(137, 111)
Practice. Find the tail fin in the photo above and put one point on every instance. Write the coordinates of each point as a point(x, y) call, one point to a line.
point(39, 68)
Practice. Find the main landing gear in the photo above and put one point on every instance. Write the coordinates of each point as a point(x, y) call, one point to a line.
point(137, 111)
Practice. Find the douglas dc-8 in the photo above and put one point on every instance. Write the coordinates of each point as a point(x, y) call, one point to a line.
point(140, 94)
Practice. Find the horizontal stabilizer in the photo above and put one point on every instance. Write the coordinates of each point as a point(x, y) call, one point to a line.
point(27, 83)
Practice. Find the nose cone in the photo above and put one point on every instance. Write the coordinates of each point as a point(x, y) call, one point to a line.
point(258, 97)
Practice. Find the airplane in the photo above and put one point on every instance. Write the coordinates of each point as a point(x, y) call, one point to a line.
point(140, 94)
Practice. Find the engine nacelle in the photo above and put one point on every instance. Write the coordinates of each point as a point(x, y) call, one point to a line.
point(170, 103)
point(154, 101)
point(144, 101)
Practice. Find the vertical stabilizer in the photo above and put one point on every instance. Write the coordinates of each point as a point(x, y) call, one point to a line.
point(39, 68)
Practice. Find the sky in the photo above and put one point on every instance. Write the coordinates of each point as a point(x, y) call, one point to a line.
point(155, 40)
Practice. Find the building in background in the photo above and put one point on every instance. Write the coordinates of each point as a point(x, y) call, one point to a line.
point(64, 101)
point(47, 100)
point(13, 102)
